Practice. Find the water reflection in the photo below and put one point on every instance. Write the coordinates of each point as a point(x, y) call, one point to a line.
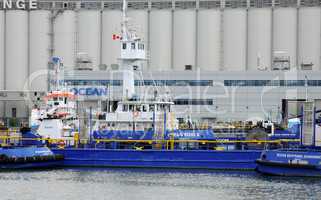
point(152, 184)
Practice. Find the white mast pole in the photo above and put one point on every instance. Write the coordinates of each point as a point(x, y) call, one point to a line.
point(124, 22)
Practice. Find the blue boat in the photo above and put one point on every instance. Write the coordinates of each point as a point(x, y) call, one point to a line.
point(28, 157)
point(302, 161)
point(291, 162)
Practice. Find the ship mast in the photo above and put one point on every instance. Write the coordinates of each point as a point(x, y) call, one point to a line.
point(124, 23)
point(132, 53)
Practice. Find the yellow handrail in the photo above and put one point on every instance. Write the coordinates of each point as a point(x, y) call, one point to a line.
point(169, 143)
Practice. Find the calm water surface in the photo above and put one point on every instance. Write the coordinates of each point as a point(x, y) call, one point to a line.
point(134, 184)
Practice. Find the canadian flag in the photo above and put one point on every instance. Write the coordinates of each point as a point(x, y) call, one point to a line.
point(116, 37)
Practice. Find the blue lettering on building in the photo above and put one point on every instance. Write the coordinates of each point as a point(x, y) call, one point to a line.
point(89, 91)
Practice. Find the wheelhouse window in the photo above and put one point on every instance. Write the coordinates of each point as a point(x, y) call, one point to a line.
point(125, 108)
point(124, 45)
point(151, 108)
point(144, 108)
point(133, 46)
point(131, 108)
point(137, 108)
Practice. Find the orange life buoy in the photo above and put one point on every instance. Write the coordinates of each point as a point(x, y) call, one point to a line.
point(61, 144)
point(136, 113)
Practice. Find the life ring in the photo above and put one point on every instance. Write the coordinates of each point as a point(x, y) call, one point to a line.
point(61, 144)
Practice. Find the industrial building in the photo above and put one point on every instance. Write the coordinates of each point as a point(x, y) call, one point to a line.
point(217, 59)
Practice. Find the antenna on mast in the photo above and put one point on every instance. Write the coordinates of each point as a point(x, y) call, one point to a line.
point(132, 52)
point(124, 24)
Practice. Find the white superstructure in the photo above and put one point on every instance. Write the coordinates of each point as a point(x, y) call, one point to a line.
point(132, 114)
point(56, 117)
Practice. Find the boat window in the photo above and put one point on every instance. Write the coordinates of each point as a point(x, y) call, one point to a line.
point(138, 108)
point(124, 45)
point(55, 98)
point(151, 108)
point(133, 45)
point(125, 108)
point(131, 107)
point(65, 100)
point(144, 108)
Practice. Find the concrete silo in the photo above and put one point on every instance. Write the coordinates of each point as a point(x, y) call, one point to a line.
point(160, 39)
point(39, 41)
point(285, 33)
point(2, 64)
point(234, 39)
point(16, 56)
point(89, 34)
point(259, 38)
point(309, 36)
point(65, 37)
point(209, 39)
point(110, 25)
point(184, 41)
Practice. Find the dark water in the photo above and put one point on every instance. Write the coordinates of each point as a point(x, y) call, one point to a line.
point(152, 184)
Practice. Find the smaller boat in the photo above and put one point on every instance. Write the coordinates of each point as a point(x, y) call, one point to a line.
point(290, 162)
point(57, 117)
point(304, 160)
point(23, 150)
point(28, 157)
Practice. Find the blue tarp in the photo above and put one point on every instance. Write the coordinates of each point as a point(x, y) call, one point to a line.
point(26, 151)
point(123, 135)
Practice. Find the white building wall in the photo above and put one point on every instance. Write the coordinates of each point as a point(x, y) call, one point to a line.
point(309, 36)
point(160, 39)
point(184, 38)
point(285, 32)
point(16, 56)
point(110, 48)
point(2, 76)
point(89, 34)
point(259, 38)
point(65, 37)
point(234, 39)
point(39, 40)
point(209, 39)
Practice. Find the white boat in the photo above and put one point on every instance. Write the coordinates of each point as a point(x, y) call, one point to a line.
point(57, 117)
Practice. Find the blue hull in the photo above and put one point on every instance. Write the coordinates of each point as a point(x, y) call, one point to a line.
point(288, 170)
point(290, 163)
point(198, 159)
point(29, 165)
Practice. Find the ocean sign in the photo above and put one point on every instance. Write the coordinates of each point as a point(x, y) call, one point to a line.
point(89, 91)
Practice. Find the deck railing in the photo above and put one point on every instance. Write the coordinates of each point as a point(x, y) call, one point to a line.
point(7, 138)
